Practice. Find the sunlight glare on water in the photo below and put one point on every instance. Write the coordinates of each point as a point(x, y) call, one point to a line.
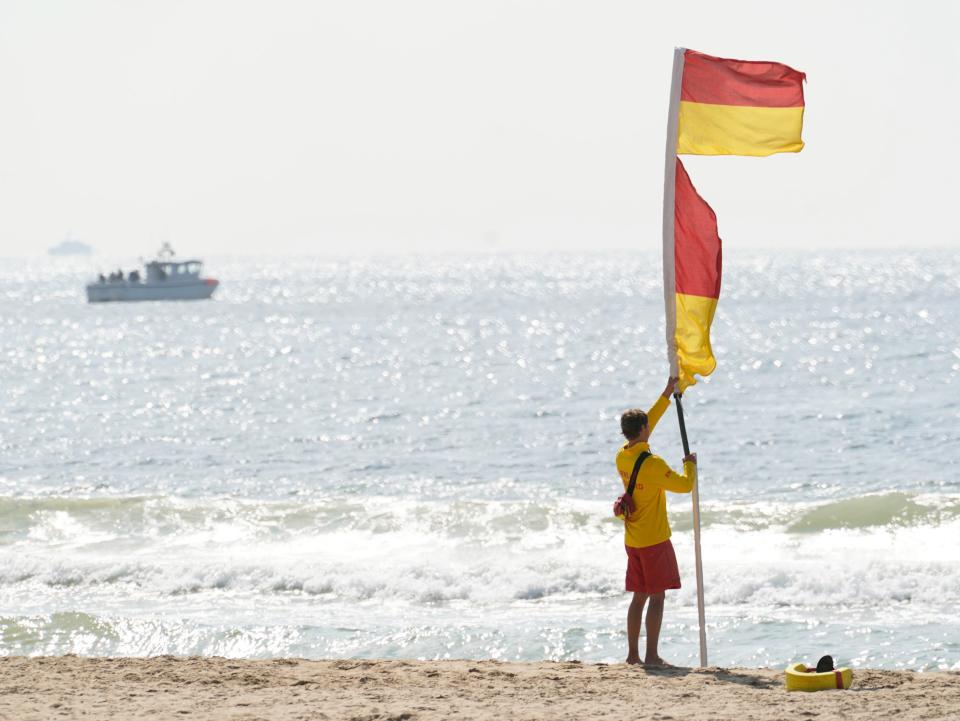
point(433, 438)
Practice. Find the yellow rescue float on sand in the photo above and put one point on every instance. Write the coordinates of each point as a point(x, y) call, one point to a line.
point(801, 678)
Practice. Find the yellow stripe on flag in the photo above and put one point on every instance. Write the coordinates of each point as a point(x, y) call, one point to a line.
point(694, 316)
point(706, 129)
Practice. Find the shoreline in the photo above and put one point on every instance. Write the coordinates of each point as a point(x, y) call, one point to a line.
point(169, 687)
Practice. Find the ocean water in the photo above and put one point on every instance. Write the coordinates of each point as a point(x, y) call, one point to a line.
point(413, 457)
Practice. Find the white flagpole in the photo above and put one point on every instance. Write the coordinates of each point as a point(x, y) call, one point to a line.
point(670, 303)
point(698, 559)
point(669, 191)
point(701, 611)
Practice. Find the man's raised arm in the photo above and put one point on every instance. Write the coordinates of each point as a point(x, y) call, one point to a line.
point(663, 402)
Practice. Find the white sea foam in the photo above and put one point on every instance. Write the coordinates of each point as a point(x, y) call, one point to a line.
point(484, 552)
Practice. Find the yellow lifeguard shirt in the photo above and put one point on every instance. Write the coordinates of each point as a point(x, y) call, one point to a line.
point(648, 525)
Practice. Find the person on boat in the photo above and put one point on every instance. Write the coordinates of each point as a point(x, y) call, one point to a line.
point(134, 276)
point(101, 278)
point(651, 562)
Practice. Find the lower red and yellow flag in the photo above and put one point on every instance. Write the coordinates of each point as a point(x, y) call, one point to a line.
point(697, 262)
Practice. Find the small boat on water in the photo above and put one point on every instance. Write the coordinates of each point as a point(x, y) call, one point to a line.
point(70, 247)
point(164, 279)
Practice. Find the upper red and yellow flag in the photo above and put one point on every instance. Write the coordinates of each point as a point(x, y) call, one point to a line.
point(739, 107)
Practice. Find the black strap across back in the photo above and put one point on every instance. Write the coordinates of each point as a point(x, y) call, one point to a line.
point(644, 455)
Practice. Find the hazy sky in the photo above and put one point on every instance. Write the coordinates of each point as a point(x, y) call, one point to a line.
point(329, 127)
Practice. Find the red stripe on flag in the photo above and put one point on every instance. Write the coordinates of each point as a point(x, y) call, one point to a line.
point(696, 248)
point(719, 81)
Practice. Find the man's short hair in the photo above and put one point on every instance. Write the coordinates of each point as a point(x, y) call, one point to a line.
point(632, 422)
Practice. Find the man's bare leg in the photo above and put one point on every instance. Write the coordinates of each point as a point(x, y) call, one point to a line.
point(654, 621)
point(634, 621)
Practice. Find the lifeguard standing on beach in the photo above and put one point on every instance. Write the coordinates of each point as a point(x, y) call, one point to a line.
point(651, 562)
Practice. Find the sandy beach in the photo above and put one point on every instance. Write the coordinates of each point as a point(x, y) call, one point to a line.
point(217, 688)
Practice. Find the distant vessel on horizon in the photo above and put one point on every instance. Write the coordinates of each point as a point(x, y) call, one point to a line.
point(70, 247)
point(165, 279)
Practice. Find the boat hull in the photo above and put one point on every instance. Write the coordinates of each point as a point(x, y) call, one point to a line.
point(133, 292)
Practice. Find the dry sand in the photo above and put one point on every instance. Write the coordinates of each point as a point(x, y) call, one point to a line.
point(124, 689)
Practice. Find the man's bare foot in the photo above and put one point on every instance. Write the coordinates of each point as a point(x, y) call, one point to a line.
point(633, 659)
point(655, 661)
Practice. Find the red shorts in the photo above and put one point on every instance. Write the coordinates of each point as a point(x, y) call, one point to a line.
point(652, 569)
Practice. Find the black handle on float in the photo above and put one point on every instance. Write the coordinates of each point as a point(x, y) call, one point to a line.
point(683, 426)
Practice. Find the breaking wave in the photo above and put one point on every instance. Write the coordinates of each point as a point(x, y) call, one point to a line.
point(84, 520)
point(850, 551)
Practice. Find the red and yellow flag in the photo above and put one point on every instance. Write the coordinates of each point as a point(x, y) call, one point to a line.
point(739, 107)
point(717, 107)
point(697, 263)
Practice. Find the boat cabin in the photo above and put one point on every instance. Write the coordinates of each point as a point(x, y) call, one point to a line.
point(160, 271)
